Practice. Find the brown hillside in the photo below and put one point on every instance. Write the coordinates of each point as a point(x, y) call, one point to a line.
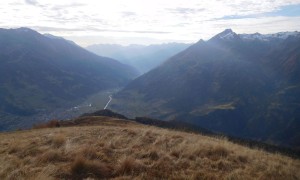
point(118, 149)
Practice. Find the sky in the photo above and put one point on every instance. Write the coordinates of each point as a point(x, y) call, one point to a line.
point(127, 22)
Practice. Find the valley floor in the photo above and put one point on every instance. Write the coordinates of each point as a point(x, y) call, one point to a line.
point(119, 149)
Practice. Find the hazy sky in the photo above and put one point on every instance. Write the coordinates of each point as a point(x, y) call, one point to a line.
point(148, 21)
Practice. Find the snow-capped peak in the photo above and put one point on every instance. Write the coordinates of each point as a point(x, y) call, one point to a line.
point(227, 34)
point(268, 37)
point(284, 35)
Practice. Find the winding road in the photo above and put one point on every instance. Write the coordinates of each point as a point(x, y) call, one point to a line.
point(110, 98)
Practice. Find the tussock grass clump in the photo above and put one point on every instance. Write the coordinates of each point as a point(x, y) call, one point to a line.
point(51, 156)
point(89, 152)
point(202, 175)
point(58, 140)
point(83, 168)
point(18, 148)
point(242, 158)
point(163, 167)
point(153, 155)
point(17, 174)
point(130, 132)
point(217, 152)
point(14, 148)
point(175, 153)
point(129, 166)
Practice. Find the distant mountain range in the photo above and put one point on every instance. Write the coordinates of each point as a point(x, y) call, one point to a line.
point(43, 72)
point(143, 58)
point(244, 85)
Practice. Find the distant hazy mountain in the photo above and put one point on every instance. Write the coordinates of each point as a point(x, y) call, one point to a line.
point(143, 58)
point(41, 72)
point(244, 85)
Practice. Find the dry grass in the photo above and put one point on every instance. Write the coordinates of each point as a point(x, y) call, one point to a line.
point(50, 156)
point(119, 150)
point(49, 124)
point(129, 166)
point(58, 140)
point(84, 168)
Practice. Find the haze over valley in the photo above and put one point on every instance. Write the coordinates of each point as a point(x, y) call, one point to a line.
point(141, 57)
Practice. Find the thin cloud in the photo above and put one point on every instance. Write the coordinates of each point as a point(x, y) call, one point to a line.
point(180, 10)
point(54, 29)
point(31, 2)
point(161, 20)
point(286, 11)
point(128, 13)
point(65, 6)
point(130, 31)
point(51, 29)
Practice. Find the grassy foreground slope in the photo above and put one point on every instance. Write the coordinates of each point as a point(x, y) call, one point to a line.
point(117, 149)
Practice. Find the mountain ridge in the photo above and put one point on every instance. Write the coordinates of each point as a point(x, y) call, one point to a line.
point(234, 86)
point(38, 73)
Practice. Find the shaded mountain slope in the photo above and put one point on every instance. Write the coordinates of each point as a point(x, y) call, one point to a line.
point(39, 73)
point(241, 87)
